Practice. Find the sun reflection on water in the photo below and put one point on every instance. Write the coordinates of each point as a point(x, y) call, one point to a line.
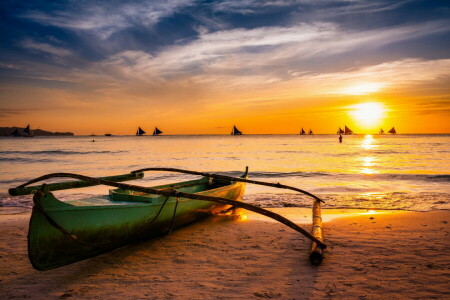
point(367, 142)
point(368, 162)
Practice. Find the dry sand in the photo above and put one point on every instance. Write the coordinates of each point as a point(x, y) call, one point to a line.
point(402, 255)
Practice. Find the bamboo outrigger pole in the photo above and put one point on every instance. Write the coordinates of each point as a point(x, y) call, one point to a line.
point(230, 178)
point(316, 252)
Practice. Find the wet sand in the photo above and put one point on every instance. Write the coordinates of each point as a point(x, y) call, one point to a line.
point(404, 255)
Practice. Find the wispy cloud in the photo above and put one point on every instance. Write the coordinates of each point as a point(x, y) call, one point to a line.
point(45, 48)
point(239, 57)
point(399, 74)
point(105, 18)
point(8, 112)
point(337, 6)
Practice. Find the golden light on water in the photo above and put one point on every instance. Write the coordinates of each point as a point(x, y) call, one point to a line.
point(368, 114)
point(368, 162)
point(367, 142)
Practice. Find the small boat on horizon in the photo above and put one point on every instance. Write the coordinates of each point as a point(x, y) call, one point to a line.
point(140, 132)
point(108, 134)
point(310, 132)
point(392, 131)
point(347, 130)
point(340, 131)
point(236, 131)
point(157, 131)
point(302, 132)
point(381, 131)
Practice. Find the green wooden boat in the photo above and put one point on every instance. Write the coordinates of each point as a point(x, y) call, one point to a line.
point(61, 233)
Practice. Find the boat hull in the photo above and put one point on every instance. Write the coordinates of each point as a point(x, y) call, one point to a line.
point(61, 233)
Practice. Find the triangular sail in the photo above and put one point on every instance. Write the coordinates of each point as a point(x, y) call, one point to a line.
point(236, 131)
point(140, 131)
point(348, 130)
point(392, 131)
point(302, 132)
point(157, 131)
point(381, 131)
point(310, 131)
point(340, 131)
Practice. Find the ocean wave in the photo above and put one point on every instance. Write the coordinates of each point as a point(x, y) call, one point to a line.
point(376, 201)
point(60, 152)
point(365, 151)
point(25, 159)
point(350, 176)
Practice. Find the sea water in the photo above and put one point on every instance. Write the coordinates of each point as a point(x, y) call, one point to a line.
point(410, 172)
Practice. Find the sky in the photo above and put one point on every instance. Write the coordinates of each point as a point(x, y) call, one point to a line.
point(200, 67)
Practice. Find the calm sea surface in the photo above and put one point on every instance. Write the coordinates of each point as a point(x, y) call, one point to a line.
point(410, 172)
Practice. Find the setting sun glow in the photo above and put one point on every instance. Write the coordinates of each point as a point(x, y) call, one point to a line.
point(363, 88)
point(368, 114)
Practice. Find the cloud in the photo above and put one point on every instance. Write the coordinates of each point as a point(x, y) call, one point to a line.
point(243, 58)
point(440, 106)
point(8, 112)
point(45, 48)
point(106, 18)
point(399, 73)
point(338, 7)
point(261, 64)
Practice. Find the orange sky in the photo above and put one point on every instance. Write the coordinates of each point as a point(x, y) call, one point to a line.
point(412, 104)
point(266, 68)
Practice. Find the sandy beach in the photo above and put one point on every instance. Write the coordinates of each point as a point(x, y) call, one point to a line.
point(382, 255)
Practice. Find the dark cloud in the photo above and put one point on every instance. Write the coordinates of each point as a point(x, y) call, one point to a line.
point(7, 112)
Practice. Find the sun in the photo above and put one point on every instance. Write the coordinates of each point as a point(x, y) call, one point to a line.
point(368, 114)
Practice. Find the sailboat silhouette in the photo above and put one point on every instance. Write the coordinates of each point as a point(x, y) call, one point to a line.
point(235, 131)
point(157, 131)
point(140, 132)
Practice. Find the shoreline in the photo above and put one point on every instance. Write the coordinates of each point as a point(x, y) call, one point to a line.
point(370, 256)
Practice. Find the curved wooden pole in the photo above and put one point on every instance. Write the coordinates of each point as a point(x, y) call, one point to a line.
point(173, 193)
point(26, 190)
point(230, 178)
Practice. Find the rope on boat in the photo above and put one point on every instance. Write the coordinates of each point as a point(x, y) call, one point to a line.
point(178, 194)
point(173, 217)
point(59, 227)
point(231, 178)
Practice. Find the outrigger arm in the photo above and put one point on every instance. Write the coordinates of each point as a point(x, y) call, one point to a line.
point(22, 190)
point(230, 178)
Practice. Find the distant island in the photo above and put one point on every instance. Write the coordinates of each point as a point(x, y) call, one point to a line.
point(8, 131)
